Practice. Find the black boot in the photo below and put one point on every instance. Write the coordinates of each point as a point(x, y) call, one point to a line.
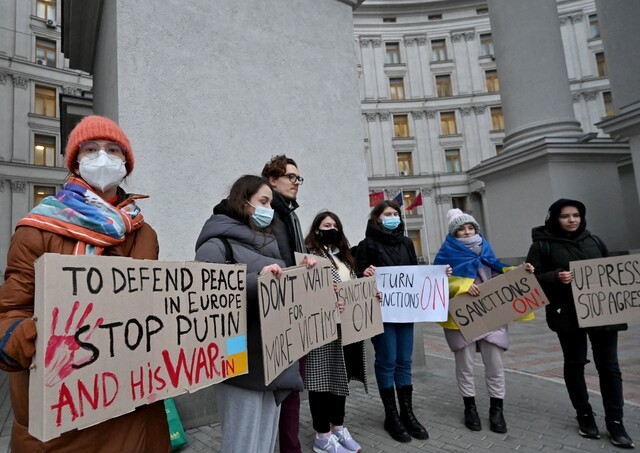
point(406, 413)
point(392, 423)
point(587, 426)
point(496, 416)
point(471, 417)
point(618, 434)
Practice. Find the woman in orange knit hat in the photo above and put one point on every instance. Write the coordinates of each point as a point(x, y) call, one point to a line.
point(90, 215)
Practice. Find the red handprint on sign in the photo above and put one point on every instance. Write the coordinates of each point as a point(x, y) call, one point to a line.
point(67, 352)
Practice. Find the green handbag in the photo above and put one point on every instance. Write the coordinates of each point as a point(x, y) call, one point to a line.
point(176, 432)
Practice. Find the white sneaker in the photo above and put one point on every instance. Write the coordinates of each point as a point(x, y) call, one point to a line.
point(328, 444)
point(345, 439)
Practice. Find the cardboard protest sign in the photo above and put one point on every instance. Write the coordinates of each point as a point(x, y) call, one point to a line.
point(298, 313)
point(606, 290)
point(118, 333)
point(361, 317)
point(502, 299)
point(413, 293)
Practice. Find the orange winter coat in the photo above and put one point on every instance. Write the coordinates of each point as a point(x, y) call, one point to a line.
point(144, 430)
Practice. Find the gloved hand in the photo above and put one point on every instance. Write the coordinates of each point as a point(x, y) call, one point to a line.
point(19, 344)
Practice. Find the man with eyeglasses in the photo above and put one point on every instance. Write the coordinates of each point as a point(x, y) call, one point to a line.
point(285, 180)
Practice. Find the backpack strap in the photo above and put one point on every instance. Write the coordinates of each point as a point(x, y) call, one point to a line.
point(228, 251)
point(600, 244)
point(545, 250)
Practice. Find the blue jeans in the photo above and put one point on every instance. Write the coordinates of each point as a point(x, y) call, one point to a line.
point(394, 348)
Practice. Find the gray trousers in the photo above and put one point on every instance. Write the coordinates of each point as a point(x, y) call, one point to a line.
point(493, 369)
point(249, 419)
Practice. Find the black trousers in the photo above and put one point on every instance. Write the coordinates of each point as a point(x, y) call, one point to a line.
point(604, 345)
point(326, 409)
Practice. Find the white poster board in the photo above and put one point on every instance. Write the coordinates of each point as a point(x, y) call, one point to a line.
point(118, 333)
point(413, 293)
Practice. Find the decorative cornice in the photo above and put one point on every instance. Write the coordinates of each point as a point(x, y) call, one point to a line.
point(384, 116)
point(426, 191)
point(417, 114)
point(443, 199)
point(20, 82)
point(71, 91)
point(467, 36)
point(590, 95)
point(18, 186)
point(431, 114)
point(410, 40)
point(370, 117)
point(575, 97)
point(479, 109)
point(3, 78)
point(573, 18)
point(465, 111)
point(375, 41)
point(1, 185)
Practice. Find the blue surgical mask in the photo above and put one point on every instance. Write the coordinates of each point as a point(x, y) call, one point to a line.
point(262, 216)
point(391, 223)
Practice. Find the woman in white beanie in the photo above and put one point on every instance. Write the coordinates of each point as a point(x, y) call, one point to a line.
point(473, 262)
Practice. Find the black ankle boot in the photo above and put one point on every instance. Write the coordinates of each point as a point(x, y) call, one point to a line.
point(618, 434)
point(496, 416)
point(406, 413)
point(392, 423)
point(471, 417)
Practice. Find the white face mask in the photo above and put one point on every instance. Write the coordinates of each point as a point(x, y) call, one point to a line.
point(102, 171)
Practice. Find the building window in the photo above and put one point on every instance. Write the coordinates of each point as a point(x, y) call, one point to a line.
point(388, 20)
point(480, 11)
point(45, 104)
point(46, 9)
point(46, 52)
point(452, 158)
point(448, 123)
point(414, 235)
point(400, 126)
point(39, 192)
point(393, 52)
point(405, 163)
point(499, 148)
point(608, 103)
point(493, 83)
point(459, 202)
point(44, 150)
point(497, 119)
point(396, 88)
point(601, 64)
point(443, 86)
point(434, 17)
point(438, 50)
point(594, 27)
point(486, 45)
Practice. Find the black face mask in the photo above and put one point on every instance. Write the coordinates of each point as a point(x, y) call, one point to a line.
point(328, 237)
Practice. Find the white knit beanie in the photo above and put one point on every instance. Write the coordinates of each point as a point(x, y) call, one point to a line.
point(457, 218)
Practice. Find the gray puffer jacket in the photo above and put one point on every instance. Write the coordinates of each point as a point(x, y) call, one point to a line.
point(257, 250)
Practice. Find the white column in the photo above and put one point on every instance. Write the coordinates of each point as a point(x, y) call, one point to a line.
point(594, 110)
point(389, 155)
point(461, 59)
point(376, 148)
point(23, 40)
point(6, 115)
point(581, 35)
point(414, 68)
point(570, 49)
point(484, 137)
point(382, 80)
point(536, 103)
point(368, 69)
point(420, 155)
point(21, 107)
point(434, 150)
point(425, 57)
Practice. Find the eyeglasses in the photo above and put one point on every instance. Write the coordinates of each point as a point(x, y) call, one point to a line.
point(92, 149)
point(293, 177)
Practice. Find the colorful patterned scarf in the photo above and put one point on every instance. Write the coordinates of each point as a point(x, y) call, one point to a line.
point(77, 212)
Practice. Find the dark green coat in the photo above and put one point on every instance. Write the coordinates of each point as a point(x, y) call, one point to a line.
point(550, 255)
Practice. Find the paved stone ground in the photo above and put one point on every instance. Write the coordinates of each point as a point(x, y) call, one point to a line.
point(537, 407)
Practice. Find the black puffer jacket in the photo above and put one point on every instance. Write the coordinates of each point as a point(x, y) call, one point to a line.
point(550, 253)
point(383, 248)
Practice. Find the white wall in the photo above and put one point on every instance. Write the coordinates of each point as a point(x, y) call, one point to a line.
point(208, 91)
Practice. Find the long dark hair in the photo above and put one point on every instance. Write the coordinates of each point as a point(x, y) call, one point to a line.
point(241, 191)
point(313, 243)
point(379, 208)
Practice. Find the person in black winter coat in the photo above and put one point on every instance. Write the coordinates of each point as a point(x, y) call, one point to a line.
point(386, 245)
point(562, 239)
